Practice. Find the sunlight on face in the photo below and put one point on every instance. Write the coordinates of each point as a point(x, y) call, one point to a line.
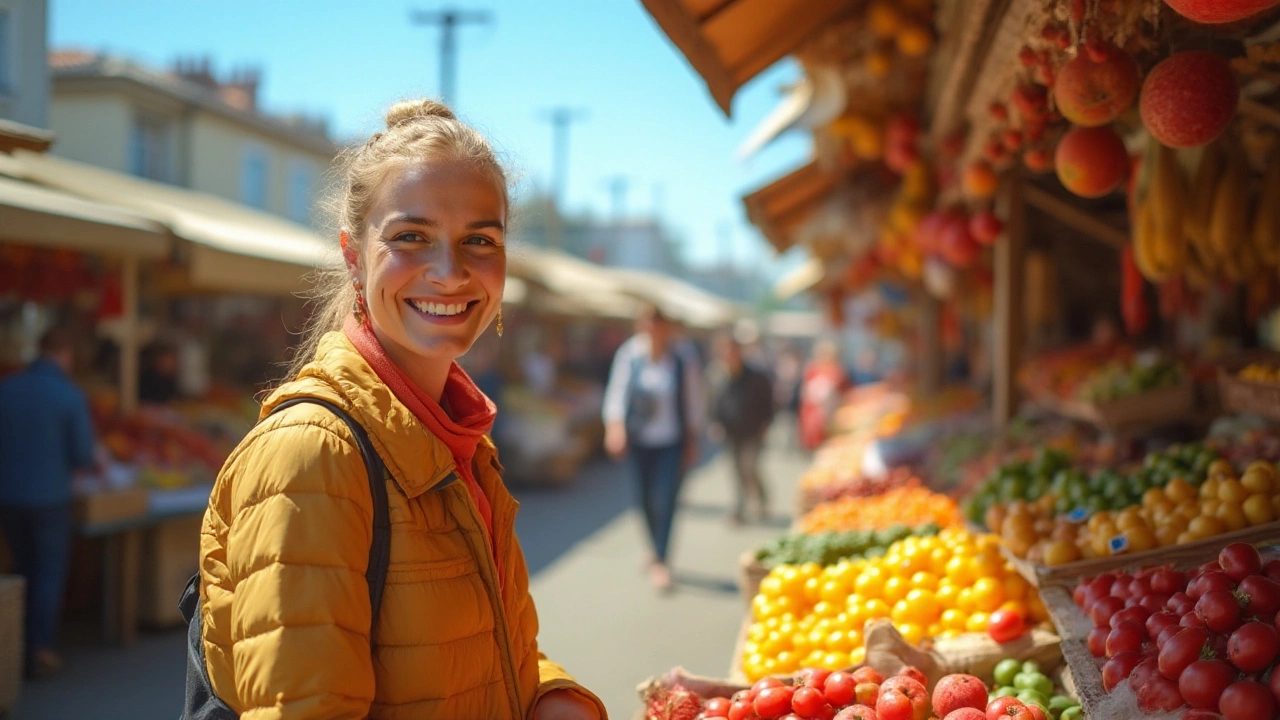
point(434, 262)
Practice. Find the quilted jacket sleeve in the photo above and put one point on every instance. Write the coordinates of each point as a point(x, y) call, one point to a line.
point(551, 676)
point(298, 539)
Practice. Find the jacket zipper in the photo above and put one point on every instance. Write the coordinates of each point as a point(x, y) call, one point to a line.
point(490, 573)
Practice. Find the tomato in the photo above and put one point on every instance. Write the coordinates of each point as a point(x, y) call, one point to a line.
point(1080, 593)
point(1006, 626)
point(909, 671)
point(910, 688)
point(1274, 685)
point(1253, 646)
point(1157, 622)
point(1209, 581)
point(1160, 693)
point(1202, 683)
point(1240, 560)
point(840, 689)
point(763, 684)
point(1168, 582)
point(867, 694)
point(1101, 611)
point(867, 674)
point(858, 712)
point(1181, 650)
point(1035, 712)
point(808, 702)
point(717, 708)
point(1120, 587)
point(1098, 641)
point(1263, 594)
point(741, 710)
point(1272, 570)
point(1003, 706)
point(1139, 587)
point(1220, 611)
point(1178, 598)
point(893, 705)
point(1142, 673)
point(1126, 636)
point(1246, 700)
point(1154, 602)
point(773, 702)
point(1166, 635)
point(1135, 615)
point(1118, 668)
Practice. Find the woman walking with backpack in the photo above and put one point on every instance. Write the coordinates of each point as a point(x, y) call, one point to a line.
point(289, 549)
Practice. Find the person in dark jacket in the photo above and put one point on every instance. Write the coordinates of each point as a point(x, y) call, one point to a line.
point(743, 409)
point(46, 435)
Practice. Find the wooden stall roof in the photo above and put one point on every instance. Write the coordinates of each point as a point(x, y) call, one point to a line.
point(728, 42)
point(780, 207)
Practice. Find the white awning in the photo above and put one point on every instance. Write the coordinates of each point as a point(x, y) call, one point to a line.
point(680, 300)
point(801, 279)
point(818, 99)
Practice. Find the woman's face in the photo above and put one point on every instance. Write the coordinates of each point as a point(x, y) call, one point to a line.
point(433, 262)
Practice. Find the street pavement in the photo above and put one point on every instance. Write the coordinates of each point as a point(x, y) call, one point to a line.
point(599, 616)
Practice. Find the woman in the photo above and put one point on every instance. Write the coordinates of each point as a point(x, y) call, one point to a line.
point(654, 412)
point(824, 380)
point(286, 537)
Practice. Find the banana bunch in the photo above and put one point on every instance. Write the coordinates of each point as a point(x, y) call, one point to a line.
point(1160, 235)
point(1202, 266)
point(1230, 239)
point(1266, 219)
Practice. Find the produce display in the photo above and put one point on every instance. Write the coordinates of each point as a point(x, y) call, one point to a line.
point(837, 472)
point(1026, 683)
point(931, 587)
point(1206, 640)
point(1260, 373)
point(913, 505)
point(827, 548)
point(1117, 380)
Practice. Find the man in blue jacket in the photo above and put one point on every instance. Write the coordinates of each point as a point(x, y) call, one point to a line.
point(46, 435)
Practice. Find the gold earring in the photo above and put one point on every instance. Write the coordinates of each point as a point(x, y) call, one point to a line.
point(357, 307)
point(499, 322)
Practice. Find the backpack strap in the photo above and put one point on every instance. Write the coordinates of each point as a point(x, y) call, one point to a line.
point(380, 548)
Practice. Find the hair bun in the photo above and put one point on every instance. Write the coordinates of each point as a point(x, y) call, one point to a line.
point(410, 110)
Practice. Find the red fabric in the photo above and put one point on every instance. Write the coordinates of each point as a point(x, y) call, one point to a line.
point(473, 413)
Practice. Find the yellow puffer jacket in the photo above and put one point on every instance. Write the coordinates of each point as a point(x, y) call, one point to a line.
point(284, 549)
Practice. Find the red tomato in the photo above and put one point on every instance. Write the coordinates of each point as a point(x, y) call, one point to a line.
point(1202, 683)
point(1002, 706)
point(893, 705)
point(866, 694)
point(858, 712)
point(914, 673)
point(773, 702)
point(867, 674)
point(1272, 570)
point(717, 708)
point(1126, 636)
point(1120, 587)
point(741, 710)
point(1160, 693)
point(1167, 582)
point(1118, 668)
point(1134, 614)
point(1240, 560)
point(1157, 622)
point(1191, 619)
point(1263, 594)
point(808, 702)
point(912, 689)
point(763, 684)
point(1180, 651)
point(840, 689)
point(1006, 626)
point(814, 677)
point(1143, 672)
point(1140, 586)
point(1274, 685)
point(1208, 582)
point(1246, 700)
point(1220, 611)
point(1101, 611)
point(1098, 641)
point(1166, 635)
point(1154, 602)
point(1079, 593)
point(1177, 600)
point(1253, 646)
point(1035, 712)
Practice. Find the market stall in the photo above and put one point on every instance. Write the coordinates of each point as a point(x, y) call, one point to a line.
point(1079, 198)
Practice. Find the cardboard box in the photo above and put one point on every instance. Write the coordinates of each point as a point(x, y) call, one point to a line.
point(111, 506)
point(170, 556)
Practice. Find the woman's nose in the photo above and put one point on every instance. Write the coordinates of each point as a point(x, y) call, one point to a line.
point(447, 268)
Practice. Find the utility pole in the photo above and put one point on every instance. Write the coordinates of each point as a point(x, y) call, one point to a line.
point(561, 118)
point(618, 185)
point(449, 20)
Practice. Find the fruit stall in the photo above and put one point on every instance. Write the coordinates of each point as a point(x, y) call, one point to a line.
point(1080, 198)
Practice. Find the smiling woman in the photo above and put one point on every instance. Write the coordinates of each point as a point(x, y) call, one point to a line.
point(304, 612)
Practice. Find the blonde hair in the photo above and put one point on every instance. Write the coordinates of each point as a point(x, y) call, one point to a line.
point(416, 130)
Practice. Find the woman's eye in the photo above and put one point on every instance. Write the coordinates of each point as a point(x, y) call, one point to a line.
point(480, 240)
point(410, 237)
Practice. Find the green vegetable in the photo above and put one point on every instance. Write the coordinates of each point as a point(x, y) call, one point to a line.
point(1007, 692)
point(1006, 670)
point(1031, 696)
point(1058, 703)
point(1072, 713)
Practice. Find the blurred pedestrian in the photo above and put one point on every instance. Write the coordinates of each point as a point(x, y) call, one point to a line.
point(654, 413)
point(46, 435)
point(824, 380)
point(743, 411)
point(288, 629)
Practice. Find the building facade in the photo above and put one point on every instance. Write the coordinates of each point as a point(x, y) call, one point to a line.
point(188, 128)
point(24, 74)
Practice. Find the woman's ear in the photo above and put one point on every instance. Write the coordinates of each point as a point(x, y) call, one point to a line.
point(350, 255)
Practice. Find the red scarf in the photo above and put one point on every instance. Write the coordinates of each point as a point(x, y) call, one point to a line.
point(474, 413)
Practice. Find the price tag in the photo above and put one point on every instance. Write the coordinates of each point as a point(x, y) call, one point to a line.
point(1078, 515)
point(1118, 544)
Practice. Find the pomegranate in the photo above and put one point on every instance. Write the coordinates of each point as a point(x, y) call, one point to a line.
point(1214, 12)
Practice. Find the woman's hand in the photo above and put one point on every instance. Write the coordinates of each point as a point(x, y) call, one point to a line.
point(615, 440)
point(565, 705)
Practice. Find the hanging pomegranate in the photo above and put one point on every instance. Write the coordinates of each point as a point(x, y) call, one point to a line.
point(1215, 12)
point(1188, 100)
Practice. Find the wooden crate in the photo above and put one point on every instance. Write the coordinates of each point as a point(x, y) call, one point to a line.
point(13, 591)
point(1246, 396)
point(1162, 406)
point(170, 555)
point(1190, 554)
point(111, 506)
point(750, 573)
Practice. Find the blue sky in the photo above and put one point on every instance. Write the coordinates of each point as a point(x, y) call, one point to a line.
point(648, 115)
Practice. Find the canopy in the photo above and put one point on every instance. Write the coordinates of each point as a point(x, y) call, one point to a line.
point(816, 100)
point(801, 279)
point(680, 300)
point(33, 215)
point(578, 287)
point(781, 207)
point(728, 42)
point(236, 248)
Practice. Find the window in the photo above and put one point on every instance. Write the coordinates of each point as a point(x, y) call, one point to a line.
point(253, 177)
point(149, 148)
point(6, 52)
point(302, 180)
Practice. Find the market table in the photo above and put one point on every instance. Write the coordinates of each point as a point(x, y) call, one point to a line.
point(122, 556)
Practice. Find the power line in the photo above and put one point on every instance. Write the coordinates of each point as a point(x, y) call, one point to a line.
point(449, 20)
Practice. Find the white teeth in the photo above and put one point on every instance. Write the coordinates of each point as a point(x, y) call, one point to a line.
point(439, 309)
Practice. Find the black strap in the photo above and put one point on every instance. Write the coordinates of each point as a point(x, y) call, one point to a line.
point(380, 548)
